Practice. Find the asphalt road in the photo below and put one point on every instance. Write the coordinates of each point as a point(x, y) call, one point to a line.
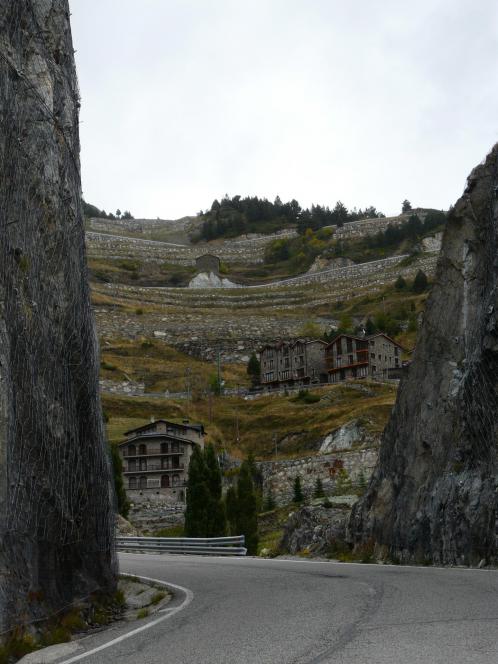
point(255, 611)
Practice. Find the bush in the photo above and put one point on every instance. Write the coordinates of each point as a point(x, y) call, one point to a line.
point(400, 283)
point(304, 396)
point(420, 283)
point(298, 496)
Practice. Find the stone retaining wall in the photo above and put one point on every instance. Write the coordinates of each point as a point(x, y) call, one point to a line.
point(280, 475)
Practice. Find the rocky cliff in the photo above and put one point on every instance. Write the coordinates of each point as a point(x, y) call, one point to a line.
point(432, 497)
point(55, 505)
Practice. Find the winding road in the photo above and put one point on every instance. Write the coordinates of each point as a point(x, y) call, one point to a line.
point(257, 611)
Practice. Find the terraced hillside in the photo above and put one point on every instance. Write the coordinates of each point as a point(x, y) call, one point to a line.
point(159, 338)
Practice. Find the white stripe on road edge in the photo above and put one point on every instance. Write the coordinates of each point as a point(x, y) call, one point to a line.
point(189, 596)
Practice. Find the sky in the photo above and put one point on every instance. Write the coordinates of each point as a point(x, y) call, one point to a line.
point(184, 101)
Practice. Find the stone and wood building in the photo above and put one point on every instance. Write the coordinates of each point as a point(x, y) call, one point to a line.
point(349, 356)
point(156, 458)
point(208, 263)
point(298, 362)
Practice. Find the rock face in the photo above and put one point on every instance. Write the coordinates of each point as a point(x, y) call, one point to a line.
point(314, 528)
point(211, 280)
point(56, 519)
point(433, 493)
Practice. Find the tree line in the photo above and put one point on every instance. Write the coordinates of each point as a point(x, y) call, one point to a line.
point(90, 211)
point(210, 514)
point(233, 216)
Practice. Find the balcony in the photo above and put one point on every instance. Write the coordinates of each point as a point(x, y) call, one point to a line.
point(127, 455)
point(333, 366)
point(154, 470)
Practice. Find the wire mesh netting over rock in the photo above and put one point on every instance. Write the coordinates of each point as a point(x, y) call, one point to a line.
point(432, 497)
point(56, 513)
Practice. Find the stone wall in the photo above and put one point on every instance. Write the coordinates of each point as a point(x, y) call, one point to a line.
point(280, 475)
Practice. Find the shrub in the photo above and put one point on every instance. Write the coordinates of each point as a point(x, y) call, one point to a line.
point(420, 283)
point(304, 396)
point(298, 496)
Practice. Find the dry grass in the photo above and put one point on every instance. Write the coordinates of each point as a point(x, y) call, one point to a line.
point(163, 368)
point(295, 427)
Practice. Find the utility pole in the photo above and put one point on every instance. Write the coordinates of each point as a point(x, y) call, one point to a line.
point(219, 370)
point(188, 371)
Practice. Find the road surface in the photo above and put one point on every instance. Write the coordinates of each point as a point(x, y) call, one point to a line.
point(256, 611)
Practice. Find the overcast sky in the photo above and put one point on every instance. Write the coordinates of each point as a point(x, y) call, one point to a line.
point(319, 100)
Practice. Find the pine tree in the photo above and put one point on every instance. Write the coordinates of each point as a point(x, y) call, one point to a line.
point(343, 484)
point(400, 283)
point(216, 517)
point(370, 327)
point(247, 518)
point(406, 206)
point(254, 369)
point(231, 507)
point(298, 491)
point(420, 282)
point(198, 496)
point(269, 502)
point(318, 491)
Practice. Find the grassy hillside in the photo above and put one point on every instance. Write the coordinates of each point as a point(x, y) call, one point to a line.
point(296, 426)
point(163, 368)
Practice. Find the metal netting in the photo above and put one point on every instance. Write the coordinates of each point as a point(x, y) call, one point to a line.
point(56, 511)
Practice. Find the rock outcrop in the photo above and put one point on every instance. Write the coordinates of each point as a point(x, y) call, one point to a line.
point(432, 497)
point(56, 521)
point(316, 529)
point(211, 280)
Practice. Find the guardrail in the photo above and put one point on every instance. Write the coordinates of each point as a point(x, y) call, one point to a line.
point(204, 546)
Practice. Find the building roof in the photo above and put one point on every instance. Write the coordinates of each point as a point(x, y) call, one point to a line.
point(365, 338)
point(208, 255)
point(183, 425)
point(280, 344)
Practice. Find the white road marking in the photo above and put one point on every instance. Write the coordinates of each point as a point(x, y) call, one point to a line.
point(189, 596)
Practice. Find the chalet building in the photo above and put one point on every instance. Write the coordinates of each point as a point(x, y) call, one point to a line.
point(297, 362)
point(156, 458)
point(349, 356)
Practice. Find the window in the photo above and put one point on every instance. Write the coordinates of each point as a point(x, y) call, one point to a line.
point(286, 362)
point(132, 483)
point(176, 480)
point(164, 448)
point(132, 450)
point(396, 362)
point(176, 462)
point(132, 465)
point(165, 464)
point(271, 364)
point(374, 368)
point(350, 345)
point(372, 355)
point(350, 359)
point(143, 482)
point(165, 482)
point(142, 449)
point(143, 464)
point(396, 351)
point(175, 447)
